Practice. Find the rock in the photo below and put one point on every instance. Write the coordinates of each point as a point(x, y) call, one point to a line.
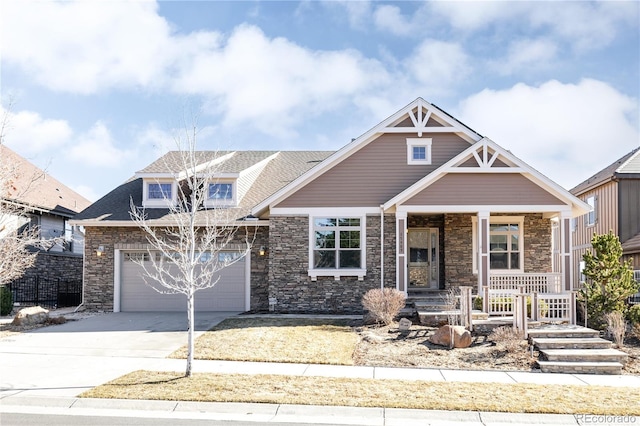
point(31, 315)
point(404, 324)
point(461, 336)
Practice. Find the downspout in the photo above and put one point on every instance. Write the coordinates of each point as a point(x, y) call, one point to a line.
point(381, 246)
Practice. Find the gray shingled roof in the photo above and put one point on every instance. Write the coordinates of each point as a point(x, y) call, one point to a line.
point(36, 188)
point(280, 171)
point(632, 245)
point(610, 171)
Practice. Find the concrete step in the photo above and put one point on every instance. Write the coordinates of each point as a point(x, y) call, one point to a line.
point(571, 343)
point(584, 355)
point(431, 305)
point(565, 332)
point(580, 367)
point(442, 316)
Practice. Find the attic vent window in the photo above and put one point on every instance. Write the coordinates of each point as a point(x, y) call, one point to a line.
point(419, 150)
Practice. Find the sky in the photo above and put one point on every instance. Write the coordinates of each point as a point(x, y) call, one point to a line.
point(94, 91)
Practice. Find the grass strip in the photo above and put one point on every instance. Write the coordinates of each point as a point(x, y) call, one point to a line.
point(277, 389)
point(314, 341)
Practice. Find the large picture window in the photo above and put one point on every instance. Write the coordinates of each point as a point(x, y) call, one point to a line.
point(337, 243)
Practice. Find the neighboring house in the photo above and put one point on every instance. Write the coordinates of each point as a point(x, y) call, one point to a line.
point(420, 201)
point(48, 204)
point(613, 195)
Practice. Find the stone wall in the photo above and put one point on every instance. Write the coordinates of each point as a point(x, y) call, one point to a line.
point(56, 266)
point(99, 279)
point(292, 289)
point(459, 247)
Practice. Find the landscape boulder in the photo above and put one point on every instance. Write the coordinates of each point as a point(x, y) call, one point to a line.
point(461, 336)
point(31, 316)
point(404, 324)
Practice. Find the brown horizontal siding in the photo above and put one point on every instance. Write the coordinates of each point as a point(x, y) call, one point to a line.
point(483, 189)
point(606, 218)
point(629, 208)
point(374, 174)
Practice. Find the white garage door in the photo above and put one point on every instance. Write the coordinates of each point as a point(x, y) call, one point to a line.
point(136, 296)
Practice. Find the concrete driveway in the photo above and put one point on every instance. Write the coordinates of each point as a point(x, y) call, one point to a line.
point(66, 359)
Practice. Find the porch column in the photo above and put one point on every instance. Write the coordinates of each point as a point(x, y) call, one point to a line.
point(565, 250)
point(483, 250)
point(401, 257)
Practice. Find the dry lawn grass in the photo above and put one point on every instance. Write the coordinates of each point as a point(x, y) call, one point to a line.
point(317, 341)
point(372, 393)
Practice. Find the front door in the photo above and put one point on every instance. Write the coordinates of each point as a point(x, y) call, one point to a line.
point(423, 258)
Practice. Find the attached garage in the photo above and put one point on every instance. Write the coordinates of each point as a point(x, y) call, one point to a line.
point(229, 294)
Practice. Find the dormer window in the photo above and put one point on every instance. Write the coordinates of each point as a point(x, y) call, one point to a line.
point(418, 150)
point(221, 194)
point(159, 193)
point(221, 191)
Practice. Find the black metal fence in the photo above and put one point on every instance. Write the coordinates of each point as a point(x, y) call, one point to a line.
point(45, 292)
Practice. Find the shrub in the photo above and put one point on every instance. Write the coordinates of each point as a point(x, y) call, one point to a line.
point(384, 304)
point(6, 301)
point(507, 338)
point(616, 327)
point(633, 315)
point(609, 283)
point(477, 303)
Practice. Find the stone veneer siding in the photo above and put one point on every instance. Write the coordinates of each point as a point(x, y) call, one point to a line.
point(459, 246)
point(56, 266)
point(292, 289)
point(98, 274)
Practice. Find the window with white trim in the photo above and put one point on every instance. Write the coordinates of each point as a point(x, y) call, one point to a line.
point(337, 246)
point(592, 216)
point(419, 150)
point(159, 193)
point(220, 193)
point(506, 244)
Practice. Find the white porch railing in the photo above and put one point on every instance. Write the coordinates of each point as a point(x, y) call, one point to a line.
point(540, 283)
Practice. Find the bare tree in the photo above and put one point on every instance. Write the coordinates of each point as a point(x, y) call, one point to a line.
point(19, 239)
point(195, 240)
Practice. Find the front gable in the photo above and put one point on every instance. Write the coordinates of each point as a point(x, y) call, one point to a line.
point(486, 175)
point(375, 167)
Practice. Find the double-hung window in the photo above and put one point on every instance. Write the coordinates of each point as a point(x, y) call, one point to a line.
point(337, 246)
point(504, 246)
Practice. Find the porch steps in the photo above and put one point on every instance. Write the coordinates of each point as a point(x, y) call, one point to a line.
point(575, 349)
point(433, 307)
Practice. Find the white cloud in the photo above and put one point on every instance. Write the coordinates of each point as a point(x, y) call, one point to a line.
point(525, 56)
point(88, 46)
point(566, 131)
point(390, 18)
point(97, 148)
point(273, 83)
point(436, 65)
point(31, 134)
point(86, 191)
point(584, 25)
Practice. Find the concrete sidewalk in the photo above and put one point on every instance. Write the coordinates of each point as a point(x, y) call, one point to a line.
point(281, 413)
